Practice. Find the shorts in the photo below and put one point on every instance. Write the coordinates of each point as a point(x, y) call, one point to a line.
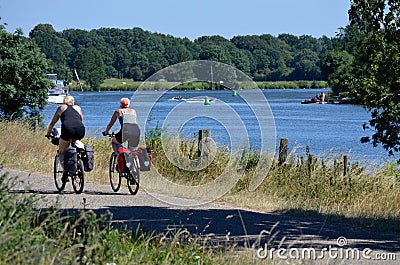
point(118, 136)
point(131, 134)
point(76, 133)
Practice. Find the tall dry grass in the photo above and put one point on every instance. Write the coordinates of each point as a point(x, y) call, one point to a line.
point(51, 236)
point(307, 184)
point(318, 186)
point(24, 148)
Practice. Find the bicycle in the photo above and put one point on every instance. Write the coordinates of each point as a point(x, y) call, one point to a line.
point(131, 169)
point(77, 177)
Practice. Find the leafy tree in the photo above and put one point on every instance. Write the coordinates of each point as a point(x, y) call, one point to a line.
point(23, 83)
point(92, 68)
point(136, 73)
point(333, 59)
point(212, 52)
point(157, 58)
point(262, 62)
point(136, 53)
point(308, 42)
point(57, 49)
point(290, 39)
point(338, 79)
point(270, 55)
point(241, 60)
point(375, 80)
point(141, 61)
point(251, 42)
point(175, 51)
point(336, 67)
point(79, 38)
point(306, 65)
point(123, 60)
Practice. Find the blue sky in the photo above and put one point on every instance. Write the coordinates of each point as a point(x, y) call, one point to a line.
point(182, 18)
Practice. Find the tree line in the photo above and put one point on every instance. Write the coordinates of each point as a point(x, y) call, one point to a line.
point(137, 54)
point(362, 60)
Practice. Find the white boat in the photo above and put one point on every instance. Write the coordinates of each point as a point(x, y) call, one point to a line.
point(56, 94)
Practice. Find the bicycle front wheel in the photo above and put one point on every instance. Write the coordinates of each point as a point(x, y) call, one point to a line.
point(115, 176)
point(58, 173)
point(78, 179)
point(133, 178)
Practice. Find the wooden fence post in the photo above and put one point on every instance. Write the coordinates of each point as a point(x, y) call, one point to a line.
point(36, 125)
point(283, 148)
point(310, 164)
point(345, 162)
point(204, 147)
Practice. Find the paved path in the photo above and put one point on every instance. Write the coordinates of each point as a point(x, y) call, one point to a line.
point(222, 224)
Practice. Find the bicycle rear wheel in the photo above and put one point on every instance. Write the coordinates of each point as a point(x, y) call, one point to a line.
point(78, 179)
point(115, 176)
point(133, 178)
point(58, 172)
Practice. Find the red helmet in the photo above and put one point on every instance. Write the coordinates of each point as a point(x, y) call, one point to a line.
point(125, 102)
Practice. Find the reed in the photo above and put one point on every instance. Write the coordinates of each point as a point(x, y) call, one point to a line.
point(114, 84)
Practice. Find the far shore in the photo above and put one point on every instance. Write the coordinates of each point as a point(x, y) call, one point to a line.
point(130, 85)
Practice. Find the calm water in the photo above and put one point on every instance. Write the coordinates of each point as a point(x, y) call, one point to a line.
point(322, 127)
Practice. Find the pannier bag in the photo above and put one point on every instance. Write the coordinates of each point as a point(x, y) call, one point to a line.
point(55, 139)
point(145, 158)
point(121, 161)
point(70, 160)
point(88, 158)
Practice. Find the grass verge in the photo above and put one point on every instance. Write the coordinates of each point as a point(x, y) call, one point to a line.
point(51, 236)
point(303, 185)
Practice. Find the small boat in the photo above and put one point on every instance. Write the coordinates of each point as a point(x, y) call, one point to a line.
point(56, 96)
point(57, 93)
point(318, 99)
point(311, 101)
point(178, 98)
point(206, 100)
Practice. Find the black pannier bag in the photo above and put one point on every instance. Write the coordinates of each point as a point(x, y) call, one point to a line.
point(56, 136)
point(145, 158)
point(88, 158)
point(70, 160)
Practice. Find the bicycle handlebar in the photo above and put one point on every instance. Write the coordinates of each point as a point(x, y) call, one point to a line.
point(108, 134)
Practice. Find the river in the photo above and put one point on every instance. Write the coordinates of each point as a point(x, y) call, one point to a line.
point(325, 128)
